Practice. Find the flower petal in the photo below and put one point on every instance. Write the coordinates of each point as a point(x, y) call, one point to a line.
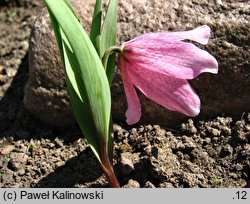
point(172, 93)
point(200, 34)
point(178, 59)
point(133, 112)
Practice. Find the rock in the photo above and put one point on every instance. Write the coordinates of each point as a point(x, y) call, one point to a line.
point(148, 184)
point(58, 142)
point(46, 85)
point(128, 160)
point(228, 92)
point(132, 184)
point(17, 161)
point(7, 149)
point(166, 185)
point(21, 172)
point(59, 164)
point(127, 164)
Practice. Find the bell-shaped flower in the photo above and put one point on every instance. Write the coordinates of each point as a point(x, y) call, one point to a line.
point(159, 65)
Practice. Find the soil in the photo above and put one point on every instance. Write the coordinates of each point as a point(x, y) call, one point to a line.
point(213, 152)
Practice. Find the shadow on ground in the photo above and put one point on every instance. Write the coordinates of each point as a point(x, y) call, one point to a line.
point(77, 171)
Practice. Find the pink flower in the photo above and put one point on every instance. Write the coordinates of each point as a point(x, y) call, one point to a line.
point(159, 65)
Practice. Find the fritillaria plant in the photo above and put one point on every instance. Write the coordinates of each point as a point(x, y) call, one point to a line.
point(158, 64)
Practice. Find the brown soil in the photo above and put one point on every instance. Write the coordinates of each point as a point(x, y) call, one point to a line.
point(211, 152)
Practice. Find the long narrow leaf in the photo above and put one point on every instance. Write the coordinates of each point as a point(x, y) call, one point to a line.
point(71, 8)
point(109, 28)
point(96, 25)
point(80, 108)
point(89, 74)
point(110, 71)
point(108, 37)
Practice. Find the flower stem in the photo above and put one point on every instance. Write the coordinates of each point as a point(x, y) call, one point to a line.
point(108, 168)
point(108, 52)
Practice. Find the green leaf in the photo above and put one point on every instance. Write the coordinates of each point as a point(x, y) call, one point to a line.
point(109, 28)
point(110, 71)
point(108, 36)
point(86, 79)
point(107, 39)
point(80, 107)
point(96, 25)
point(71, 8)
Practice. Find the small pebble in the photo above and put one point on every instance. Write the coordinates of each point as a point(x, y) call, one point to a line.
point(127, 162)
point(58, 143)
point(132, 184)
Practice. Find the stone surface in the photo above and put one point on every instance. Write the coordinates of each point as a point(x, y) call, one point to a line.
point(46, 95)
point(225, 93)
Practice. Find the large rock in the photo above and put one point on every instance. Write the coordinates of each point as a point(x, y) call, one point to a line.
point(225, 93)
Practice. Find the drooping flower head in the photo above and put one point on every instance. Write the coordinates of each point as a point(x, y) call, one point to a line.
point(159, 65)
